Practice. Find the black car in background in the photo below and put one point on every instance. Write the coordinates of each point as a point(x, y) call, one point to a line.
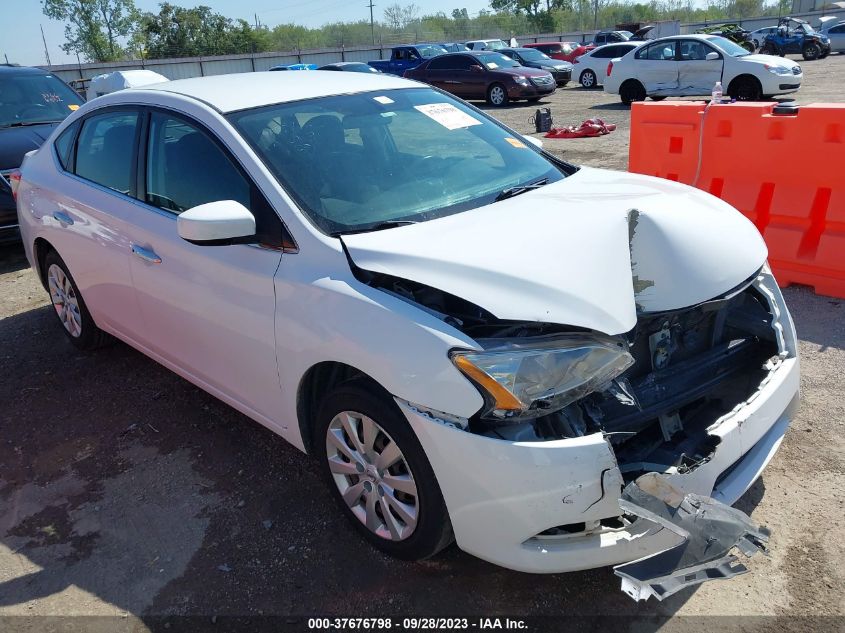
point(532, 58)
point(32, 103)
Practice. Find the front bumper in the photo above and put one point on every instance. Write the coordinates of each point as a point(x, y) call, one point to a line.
point(501, 495)
point(518, 91)
point(562, 77)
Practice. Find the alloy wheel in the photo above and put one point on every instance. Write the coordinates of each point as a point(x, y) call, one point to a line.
point(588, 79)
point(64, 300)
point(372, 475)
point(497, 95)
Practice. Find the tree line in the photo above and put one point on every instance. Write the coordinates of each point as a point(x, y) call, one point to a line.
point(113, 30)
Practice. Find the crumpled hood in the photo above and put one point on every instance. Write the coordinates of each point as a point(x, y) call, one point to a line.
point(17, 141)
point(589, 251)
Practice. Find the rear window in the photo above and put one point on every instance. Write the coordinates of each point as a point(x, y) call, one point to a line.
point(28, 99)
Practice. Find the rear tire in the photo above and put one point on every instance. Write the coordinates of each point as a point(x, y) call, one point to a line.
point(399, 508)
point(631, 90)
point(588, 79)
point(745, 88)
point(768, 49)
point(69, 306)
point(497, 95)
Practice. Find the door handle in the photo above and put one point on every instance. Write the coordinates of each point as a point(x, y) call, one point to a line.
point(62, 217)
point(148, 255)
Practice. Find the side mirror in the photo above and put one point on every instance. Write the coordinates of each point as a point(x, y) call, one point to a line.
point(711, 56)
point(534, 141)
point(476, 68)
point(217, 224)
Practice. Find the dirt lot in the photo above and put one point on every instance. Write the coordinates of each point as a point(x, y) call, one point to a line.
point(124, 490)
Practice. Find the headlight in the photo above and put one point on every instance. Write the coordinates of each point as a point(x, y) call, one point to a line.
point(532, 377)
point(778, 70)
point(522, 81)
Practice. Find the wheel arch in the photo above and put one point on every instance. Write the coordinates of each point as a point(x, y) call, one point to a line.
point(40, 248)
point(315, 383)
point(742, 77)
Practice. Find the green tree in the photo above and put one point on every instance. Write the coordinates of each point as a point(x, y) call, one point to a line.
point(95, 27)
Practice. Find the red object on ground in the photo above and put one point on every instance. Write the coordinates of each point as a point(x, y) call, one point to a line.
point(590, 127)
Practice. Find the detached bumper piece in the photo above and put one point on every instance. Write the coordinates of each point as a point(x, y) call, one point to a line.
point(710, 530)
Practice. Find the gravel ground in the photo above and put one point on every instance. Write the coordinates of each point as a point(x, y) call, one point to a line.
point(125, 490)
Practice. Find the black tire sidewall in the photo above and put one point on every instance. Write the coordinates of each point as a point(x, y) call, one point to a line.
point(628, 88)
point(91, 336)
point(434, 530)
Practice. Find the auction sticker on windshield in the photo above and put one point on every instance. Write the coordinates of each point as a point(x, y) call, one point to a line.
point(447, 115)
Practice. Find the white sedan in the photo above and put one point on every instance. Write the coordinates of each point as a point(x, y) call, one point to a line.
point(474, 339)
point(690, 65)
point(590, 69)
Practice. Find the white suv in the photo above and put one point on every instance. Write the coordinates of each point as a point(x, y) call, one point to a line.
point(470, 336)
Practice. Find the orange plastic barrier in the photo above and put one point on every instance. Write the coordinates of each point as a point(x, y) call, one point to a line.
point(786, 173)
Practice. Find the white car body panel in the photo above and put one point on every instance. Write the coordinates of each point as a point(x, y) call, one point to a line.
point(697, 77)
point(836, 32)
point(565, 279)
point(247, 323)
point(589, 61)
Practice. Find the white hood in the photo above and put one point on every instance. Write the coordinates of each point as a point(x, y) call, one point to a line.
point(589, 251)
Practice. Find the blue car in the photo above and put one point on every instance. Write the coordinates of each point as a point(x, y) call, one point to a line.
point(295, 67)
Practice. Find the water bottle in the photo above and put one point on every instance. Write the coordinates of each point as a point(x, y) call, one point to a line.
point(717, 92)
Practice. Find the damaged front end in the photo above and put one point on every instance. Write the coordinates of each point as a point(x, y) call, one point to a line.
point(709, 529)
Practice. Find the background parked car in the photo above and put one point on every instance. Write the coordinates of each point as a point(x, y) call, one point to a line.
point(32, 103)
point(689, 65)
point(835, 32)
point(295, 67)
point(609, 37)
point(453, 47)
point(590, 69)
point(532, 58)
point(564, 51)
point(351, 67)
point(733, 32)
point(403, 58)
point(120, 80)
point(485, 45)
point(484, 75)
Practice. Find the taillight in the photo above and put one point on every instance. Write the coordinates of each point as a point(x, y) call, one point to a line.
point(15, 181)
point(609, 68)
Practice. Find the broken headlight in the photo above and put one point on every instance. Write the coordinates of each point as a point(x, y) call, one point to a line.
point(531, 377)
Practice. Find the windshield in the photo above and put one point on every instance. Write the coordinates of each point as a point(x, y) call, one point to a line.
point(356, 161)
point(734, 50)
point(31, 99)
point(430, 51)
point(626, 34)
point(533, 55)
point(496, 60)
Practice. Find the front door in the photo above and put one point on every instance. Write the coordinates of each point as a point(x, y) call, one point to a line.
point(696, 74)
point(208, 310)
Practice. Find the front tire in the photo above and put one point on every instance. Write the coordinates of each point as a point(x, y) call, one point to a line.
point(588, 79)
point(745, 88)
point(378, 472)
point(497, 95)
point(811, 52)
point(70, 308)
point(632, 90)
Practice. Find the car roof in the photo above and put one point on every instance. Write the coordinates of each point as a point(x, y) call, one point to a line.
point(241, 91)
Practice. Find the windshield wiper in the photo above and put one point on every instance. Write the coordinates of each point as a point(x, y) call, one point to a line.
point(510, 192)
point(27, 123)
point(378, 226)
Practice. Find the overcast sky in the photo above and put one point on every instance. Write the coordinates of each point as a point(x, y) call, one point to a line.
point(20, 35)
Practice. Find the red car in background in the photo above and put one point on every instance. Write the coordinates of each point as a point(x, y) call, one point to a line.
point(567, 51)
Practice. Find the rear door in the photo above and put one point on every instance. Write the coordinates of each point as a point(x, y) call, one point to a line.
point(208, 311)
point(696, 74)
point(92, 213)
point(656, 68)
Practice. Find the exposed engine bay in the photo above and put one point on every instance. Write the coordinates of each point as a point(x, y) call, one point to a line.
point(691, 367)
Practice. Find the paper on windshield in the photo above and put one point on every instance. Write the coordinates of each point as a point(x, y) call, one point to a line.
point(382, 99)
point(447, 115)
point(492, 65)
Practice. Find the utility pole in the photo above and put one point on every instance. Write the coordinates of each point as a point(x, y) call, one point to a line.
point(46, 52)
point(372, 23)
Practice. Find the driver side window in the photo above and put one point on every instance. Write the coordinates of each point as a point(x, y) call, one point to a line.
point(661, 51)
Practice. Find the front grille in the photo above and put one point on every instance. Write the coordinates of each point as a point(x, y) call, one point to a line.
point(542, 81)
point(796, 70)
